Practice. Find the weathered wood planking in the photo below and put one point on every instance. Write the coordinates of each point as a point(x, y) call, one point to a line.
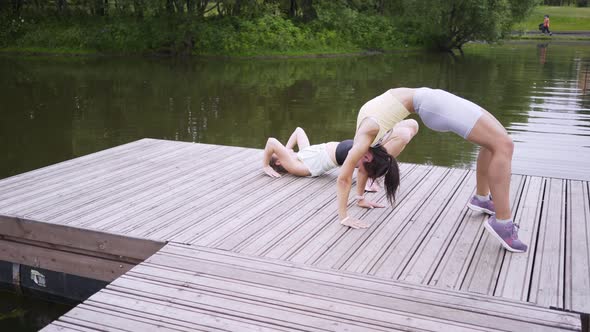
point(216, 196)
point(194, 288)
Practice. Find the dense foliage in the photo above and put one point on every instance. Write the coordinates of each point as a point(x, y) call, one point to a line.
point(248, 27)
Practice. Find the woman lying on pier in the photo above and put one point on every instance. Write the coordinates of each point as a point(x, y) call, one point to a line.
point(315, 160)
point(441, 111)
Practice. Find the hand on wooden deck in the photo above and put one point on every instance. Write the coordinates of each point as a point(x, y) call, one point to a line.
point(271, 172)
point(353, 223)
point(365, 203)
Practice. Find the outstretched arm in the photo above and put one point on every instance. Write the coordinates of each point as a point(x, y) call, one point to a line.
point(269, 150)
point(362, 141)
point(289, 162)
point(361, 183)
point(299, 138)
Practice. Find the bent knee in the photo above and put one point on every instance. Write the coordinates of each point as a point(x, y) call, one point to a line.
point(405, 134)
point(271, 141)
point(505, 145)
point(413, 125)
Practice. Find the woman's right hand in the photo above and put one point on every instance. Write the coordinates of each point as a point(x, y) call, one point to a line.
point(353, 223)
point(270, 172)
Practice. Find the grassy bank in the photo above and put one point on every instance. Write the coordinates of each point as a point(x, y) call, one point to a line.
point(563, 19)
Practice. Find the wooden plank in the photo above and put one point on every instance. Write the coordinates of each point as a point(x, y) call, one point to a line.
point(208, 216)
point(367, 257)
point(79, 195)
point(182, 315)
point(282, 229)
point(235, 203)
point(548, 272)
point(278, 208)
point(57, 326)
point(268, 303)
point(456, 269)
point(72, 187)
point(209, 259)
point(78, 238)
point(143, 187)
point(320, 242)
point(62, 261)
point(428, 256)
point(577, 271)
point(278, 307)
point(347, 242)
point(180, 190)
point(66, 167)
point(254, 206)
point(111, 321)
point(420, 224)
point(486, 262)
point(374, 292)
point(29, 189)
point(305, 232)
point(515, 275)
point(167, 213)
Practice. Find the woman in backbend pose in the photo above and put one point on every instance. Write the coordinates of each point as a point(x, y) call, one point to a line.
point(315, 160)
point(441, 111)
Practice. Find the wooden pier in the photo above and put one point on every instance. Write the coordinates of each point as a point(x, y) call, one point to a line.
point(248, 252)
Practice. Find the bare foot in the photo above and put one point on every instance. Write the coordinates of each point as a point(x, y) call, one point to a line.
point(365, 203)
point(372, 187)
point(353, 223)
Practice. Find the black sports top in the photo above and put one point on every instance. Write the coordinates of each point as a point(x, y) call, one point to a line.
point(342, 151)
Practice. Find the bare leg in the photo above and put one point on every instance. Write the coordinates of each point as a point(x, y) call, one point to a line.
point(401, 136)
point(489, 134)
point(299, 138)
point(483, 163)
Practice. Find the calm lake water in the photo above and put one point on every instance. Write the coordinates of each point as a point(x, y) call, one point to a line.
point(55, 108)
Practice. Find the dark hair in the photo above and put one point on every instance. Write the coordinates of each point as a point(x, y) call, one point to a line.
point(384, 164)
point(273, 164)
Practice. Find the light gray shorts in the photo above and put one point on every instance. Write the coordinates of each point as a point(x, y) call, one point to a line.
point(316, 159)
point(443, 111)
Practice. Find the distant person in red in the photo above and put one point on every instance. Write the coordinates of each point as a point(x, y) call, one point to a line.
point(546, 25)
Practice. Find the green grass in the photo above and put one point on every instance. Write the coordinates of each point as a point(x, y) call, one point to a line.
point(562, 19)
point(46, 50)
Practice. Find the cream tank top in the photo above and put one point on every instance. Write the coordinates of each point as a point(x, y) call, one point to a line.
point(385, 110)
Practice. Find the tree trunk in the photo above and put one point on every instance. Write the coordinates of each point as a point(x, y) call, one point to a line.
point(202, 7)
point(17, 5)
point(138, 7)
point(178, 6)
point(170, 6)
point(292, 8)
point(237, 8)
point(101, 7)
point(309, 12)
point(62, 6)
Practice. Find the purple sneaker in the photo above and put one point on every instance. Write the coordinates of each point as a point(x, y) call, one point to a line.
point(507, 234)
point(485, 207)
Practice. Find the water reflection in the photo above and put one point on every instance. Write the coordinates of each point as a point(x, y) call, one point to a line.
point(59, 108)
point(24, 313)
point(555, 139)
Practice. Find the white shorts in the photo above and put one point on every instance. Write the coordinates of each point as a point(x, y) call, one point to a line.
point(316, 159)
point(443, 111)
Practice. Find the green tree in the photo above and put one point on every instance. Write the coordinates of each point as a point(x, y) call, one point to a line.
point(449, 24)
